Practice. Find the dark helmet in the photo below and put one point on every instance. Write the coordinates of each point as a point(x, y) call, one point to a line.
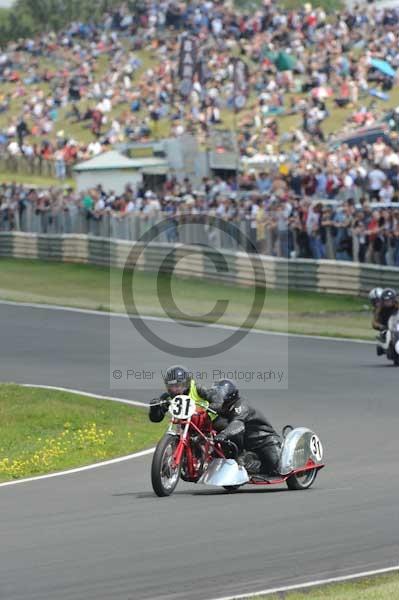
point(388, 297)
point(177, 380)
point(228, 394)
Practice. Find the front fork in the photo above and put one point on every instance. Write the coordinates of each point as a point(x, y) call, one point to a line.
point(178, 453)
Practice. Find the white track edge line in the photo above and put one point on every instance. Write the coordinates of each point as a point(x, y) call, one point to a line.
point(310, 584)
point(109, 314)
point(105, 463)
point(93, 465)
point(80, 393)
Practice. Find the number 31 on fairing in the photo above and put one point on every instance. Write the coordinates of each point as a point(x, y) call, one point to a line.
point(182, 407)
point(316, 447)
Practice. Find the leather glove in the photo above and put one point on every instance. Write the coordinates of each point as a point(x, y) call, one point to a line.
point(164, 401)
point(161, 402)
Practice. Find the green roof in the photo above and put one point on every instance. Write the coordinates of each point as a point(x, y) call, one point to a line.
point(114, 160)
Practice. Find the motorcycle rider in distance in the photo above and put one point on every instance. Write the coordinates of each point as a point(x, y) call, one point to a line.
point(178, 380)
point(248, 429)
point(387, 306)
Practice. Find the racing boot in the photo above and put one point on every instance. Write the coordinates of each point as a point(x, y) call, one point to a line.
point(250, 461)
point(270, 453)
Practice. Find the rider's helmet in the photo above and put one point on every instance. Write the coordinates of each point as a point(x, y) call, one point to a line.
point(177, 380)
point(228, 395)
point(389, 297)
point(375, 295)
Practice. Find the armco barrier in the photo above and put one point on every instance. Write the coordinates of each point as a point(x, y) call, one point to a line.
point(334, 277)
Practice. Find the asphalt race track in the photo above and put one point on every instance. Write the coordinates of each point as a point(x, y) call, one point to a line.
point(102, 534)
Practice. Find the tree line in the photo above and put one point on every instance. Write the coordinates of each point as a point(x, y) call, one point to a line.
point(27, 18)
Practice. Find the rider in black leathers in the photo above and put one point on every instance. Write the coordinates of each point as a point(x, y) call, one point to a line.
point(387, 306)
point(248, 429)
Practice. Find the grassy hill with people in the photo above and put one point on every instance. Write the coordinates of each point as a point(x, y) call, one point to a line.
point(60, 75)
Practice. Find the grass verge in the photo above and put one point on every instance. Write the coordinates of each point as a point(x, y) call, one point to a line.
point(99, 288)
point(44, 431)
point(382, 587)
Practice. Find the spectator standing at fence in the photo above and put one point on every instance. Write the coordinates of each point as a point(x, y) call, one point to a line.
point(387, 192)
point(342, 223)
point(313, 225)
point(361, 238)
point(60, 168)
point(261, 221)
point(377, 179)
point(329, 232)
point(282, 219)
point(88, 204)
point(374, 229)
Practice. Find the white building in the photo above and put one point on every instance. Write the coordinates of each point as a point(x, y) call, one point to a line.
point(114, 171)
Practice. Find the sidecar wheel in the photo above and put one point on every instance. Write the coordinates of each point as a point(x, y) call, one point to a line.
point(164, 474)
point(302, 481)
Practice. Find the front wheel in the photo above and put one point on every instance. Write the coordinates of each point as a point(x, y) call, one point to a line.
point(164, 473)
point(302, 481)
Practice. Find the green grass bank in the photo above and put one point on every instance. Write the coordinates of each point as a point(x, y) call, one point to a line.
point(44, 431)
point(100, 288)
point(383, 587)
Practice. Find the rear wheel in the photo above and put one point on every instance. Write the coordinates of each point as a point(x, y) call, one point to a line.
point(164, 473)
point(301, 481)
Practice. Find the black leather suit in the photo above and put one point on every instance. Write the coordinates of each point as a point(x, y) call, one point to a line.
point(250, 430)
point(382, 315)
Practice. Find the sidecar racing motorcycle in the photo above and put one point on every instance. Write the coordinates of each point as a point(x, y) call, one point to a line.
point(188, 451)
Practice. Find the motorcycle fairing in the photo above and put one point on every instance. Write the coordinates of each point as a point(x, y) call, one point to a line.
point(297, 452)
point(224, 471)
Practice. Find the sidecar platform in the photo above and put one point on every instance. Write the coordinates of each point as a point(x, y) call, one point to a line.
point(226, 472)
point(277, 479)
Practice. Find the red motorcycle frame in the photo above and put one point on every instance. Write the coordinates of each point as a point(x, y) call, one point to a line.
point(201, 425)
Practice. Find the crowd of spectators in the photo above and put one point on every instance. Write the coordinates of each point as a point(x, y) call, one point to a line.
point(118, 79)
point(91, 74)
point(278, 222)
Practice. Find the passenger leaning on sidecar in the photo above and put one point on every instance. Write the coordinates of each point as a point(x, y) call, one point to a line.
point(249, 429)
point(178, 380)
